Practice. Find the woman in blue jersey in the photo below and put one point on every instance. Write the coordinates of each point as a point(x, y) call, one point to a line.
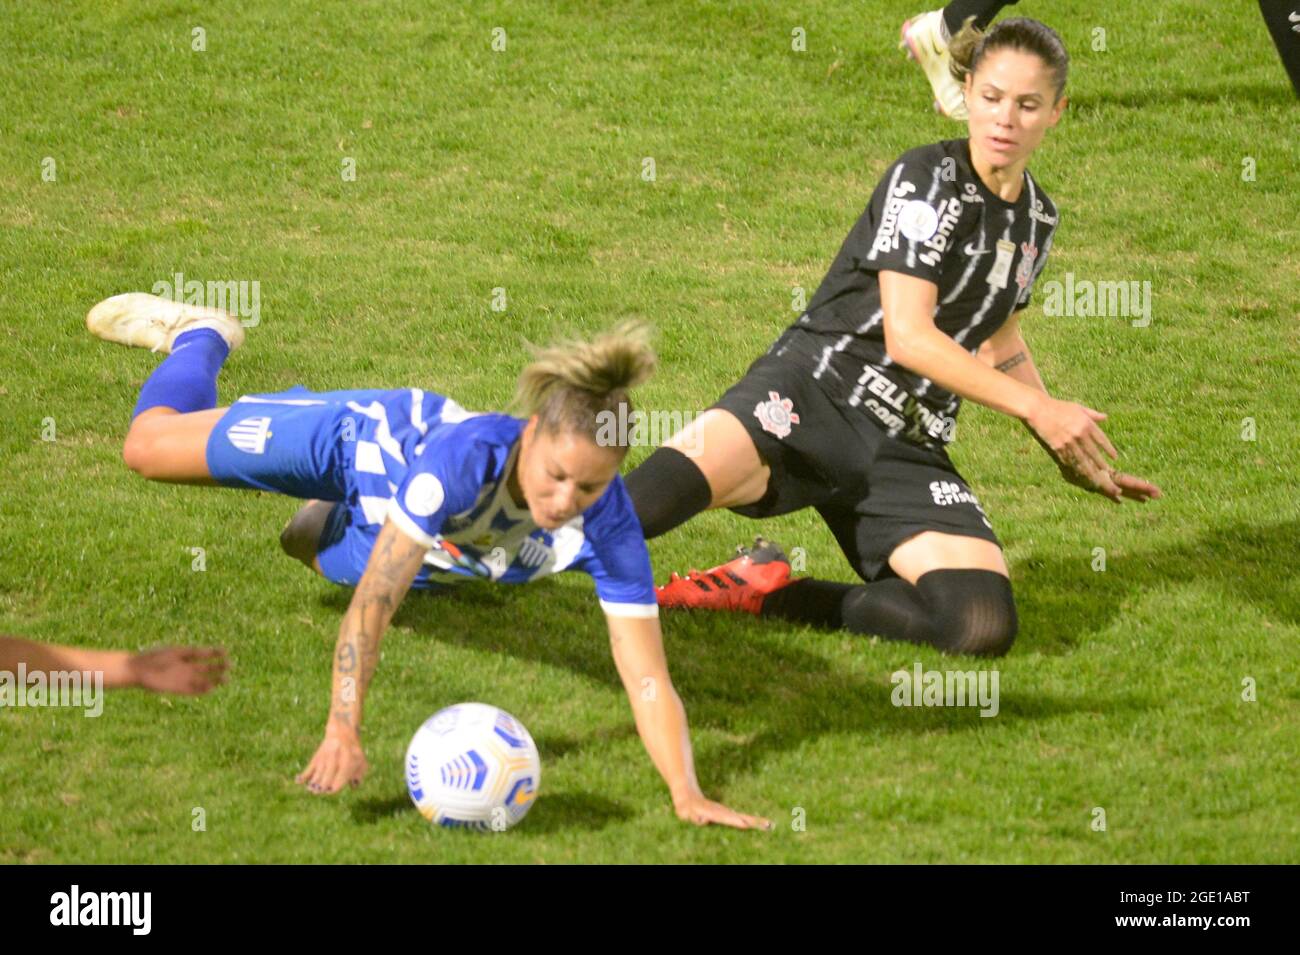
point(852, 409)
point(407, 489)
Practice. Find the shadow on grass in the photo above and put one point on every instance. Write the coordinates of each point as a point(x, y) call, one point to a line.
point(740, 675)
point(372, 810)
point(558, 812)
point(569, 812)
point(1062, 601)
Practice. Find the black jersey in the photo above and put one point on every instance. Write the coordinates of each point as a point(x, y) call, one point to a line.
point(931, 216)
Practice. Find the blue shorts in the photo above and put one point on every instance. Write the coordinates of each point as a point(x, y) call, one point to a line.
point(344, 546)
point(298, 442)
point(291, 442)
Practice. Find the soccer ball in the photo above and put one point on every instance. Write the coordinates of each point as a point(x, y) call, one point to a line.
point(473, 766)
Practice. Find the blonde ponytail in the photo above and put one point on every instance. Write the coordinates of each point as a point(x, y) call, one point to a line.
point(572, 385)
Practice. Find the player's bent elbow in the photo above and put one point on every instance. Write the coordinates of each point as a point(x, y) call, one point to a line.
point(895, 348)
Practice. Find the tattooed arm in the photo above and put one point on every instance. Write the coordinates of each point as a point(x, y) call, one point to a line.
point(393, 564)
point(1006, 351)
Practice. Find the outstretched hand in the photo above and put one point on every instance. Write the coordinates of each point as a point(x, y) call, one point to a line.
point(1071, 433)
point(702, 811)
point(189, 671)
point(1115, 485)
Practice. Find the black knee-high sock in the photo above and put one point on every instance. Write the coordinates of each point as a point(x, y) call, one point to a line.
point(1285, 30)
point(892, 606)
point(955, 13)
point(958, 611)
point(667, 489)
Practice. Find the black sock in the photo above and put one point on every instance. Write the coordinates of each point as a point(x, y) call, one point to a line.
point(818, 603)
point(1286, 34)
point(958, 611)
point(667, 489)
point(955, 13)
point(891, 608)
point(972, 611)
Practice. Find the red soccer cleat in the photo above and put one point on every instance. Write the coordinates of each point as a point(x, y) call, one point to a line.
point(740, 584)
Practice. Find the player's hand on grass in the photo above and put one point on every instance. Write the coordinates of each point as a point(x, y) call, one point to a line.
point(698, 809)
point(339, 761)
point(1135, 488)
point(1070, 433)
point(189, 671)
point(1115, 485)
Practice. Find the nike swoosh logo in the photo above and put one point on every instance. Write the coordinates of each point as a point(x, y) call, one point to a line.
point(970, 250)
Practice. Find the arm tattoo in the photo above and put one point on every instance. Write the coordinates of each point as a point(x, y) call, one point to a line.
point(372, 608)
point(1019, 358)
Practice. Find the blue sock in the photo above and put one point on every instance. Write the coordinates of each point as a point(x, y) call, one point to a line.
point(187, 378)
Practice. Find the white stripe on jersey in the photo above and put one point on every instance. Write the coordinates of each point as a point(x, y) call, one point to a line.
point(870, 323)
point(278, 401)
point(889, 195)
point(979, 315)
point(971, 265)
point(375, 412)
point(453, 413)
point(417, 411)
point(375, 508)
point(844, 341)
point(826, 355)
point(369, 458)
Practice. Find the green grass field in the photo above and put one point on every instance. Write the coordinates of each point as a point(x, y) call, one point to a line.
point(522, 170)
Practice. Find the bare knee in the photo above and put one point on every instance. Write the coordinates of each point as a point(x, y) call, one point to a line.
point(300, 538)
point(293, 543)
point(138, 450)
point(724, 452)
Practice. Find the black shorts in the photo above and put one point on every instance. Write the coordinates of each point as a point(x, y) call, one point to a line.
point(873, 491)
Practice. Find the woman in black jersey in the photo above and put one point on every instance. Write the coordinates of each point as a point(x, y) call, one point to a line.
point(852, 407)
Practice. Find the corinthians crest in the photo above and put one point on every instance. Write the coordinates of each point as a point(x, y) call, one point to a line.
point(776, 415)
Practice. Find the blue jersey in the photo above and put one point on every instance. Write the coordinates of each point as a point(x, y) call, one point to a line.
point(440, 473)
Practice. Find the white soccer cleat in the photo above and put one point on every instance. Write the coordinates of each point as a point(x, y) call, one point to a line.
point(922, 37)
point(150, 321)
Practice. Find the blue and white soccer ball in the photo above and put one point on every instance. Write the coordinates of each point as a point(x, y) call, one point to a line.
point(473, 766)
